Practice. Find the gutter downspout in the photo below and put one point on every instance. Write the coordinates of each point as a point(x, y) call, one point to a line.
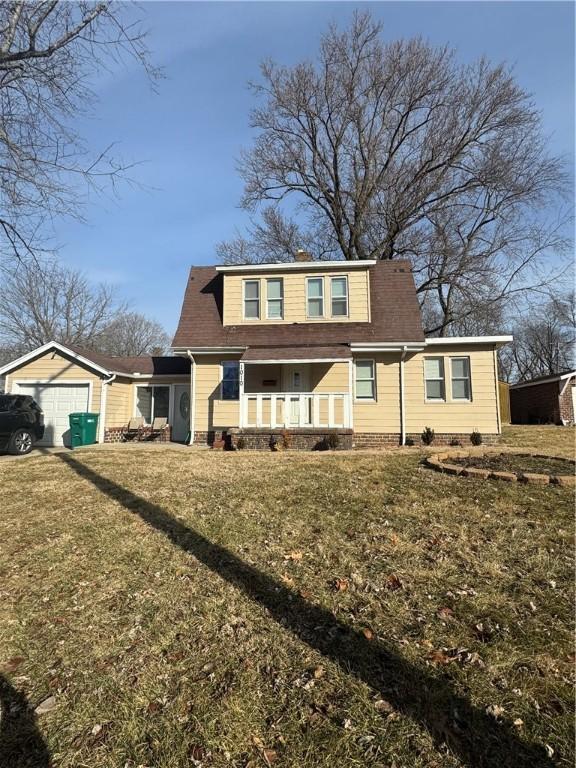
point(402, 403)
point(192, 396)
point(103, 402)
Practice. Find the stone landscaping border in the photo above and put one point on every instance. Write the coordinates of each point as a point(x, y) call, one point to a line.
point(441, 463)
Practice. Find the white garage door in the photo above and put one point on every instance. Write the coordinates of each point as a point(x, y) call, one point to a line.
point(57, 401)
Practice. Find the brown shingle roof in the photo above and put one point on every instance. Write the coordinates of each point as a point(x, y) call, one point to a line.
point(394, 309)
point(145, 364)
point(254, 354)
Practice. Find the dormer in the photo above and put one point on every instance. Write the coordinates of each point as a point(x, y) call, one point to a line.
point(296, 292)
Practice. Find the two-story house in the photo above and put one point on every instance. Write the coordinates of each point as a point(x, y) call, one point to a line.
point(304, 349)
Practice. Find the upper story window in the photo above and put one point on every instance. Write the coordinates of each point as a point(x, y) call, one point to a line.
point(460, 373)
point(339, 295)
point(252, 299)
point(434, 378)
point(275, 298)
point(315, 296)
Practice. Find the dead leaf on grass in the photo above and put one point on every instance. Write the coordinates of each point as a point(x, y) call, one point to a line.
point(446, 613)
point(288, 580)
point(367, 632)
point(46, 706)
point(305, 594)
point(12, 664)
point(340, 585)
point(394, 582)
point(294, 556)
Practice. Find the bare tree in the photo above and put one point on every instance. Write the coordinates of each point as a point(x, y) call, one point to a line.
point(131, 334)
point(49, 50)
point(398, 151)
point(43, 301)
point(544, 340)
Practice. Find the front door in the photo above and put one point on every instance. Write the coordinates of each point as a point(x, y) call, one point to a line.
point(181, 415)
point(297, 379)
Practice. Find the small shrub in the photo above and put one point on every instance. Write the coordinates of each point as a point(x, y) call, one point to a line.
point(476, 438)
point(455, 441)
point(273, 443)
point(321, 445)
point(333, 441)
point(427, 436)
point(241, 443)
point(286, 440)
point(409, 441)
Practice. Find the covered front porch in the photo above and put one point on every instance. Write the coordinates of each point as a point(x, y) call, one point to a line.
point(296, 388)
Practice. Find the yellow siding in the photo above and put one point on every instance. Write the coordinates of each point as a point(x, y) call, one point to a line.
point(329, 377)
point(211, 411)
point(383, 415)
point(480, 413)
point(54, 367)
point(119, 400)
point(295, 296)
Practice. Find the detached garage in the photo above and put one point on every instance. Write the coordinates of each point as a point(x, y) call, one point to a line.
point(545, 400)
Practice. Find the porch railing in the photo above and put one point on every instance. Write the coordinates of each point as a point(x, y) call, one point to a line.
point(291, 410)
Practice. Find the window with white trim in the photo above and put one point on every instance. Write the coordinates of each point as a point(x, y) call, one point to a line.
point(365, 380)
point(339, 296)
point(152, 402)
point(460, 375)
point(252, 299)
point(275, 298)
point(434, 378)
point(315, 296)
point(230, 380)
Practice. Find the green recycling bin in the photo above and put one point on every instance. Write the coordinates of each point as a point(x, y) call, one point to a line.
point(83, 427)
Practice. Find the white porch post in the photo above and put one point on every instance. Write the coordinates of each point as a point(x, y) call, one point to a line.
point(402, 402)
point(192, 425)
point(241, 393)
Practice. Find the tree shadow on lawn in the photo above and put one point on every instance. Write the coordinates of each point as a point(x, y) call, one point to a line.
point(475, 737)
point(21, 743)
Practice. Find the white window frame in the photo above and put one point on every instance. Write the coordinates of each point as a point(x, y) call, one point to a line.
point(323, 297)
point(257, 300)
point(222, 364)
point(372, 379)
point(441, 378)
point(347, 297)
point(461, 378)
point(280, 299)
point(153, 386)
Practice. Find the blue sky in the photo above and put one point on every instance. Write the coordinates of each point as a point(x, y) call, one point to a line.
point(187, 135)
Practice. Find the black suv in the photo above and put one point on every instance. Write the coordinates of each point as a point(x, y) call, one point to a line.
point(21, 423)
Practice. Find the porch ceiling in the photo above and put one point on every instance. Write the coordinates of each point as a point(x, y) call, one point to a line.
point(333, 354)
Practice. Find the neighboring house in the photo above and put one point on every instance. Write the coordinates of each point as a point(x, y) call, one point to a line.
point(544, 400)
point(311, 348)
point(504, 395)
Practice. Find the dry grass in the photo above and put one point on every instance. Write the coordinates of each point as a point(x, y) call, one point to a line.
point(302, 610)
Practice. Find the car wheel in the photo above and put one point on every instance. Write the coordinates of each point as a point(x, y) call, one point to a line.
point(21, 442)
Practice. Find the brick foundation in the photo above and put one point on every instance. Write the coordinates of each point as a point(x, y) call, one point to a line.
point(311, 439)
point(390, 440)
point(116, 435)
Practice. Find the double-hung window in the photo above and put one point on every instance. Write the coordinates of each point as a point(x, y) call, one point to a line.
point(339, 296)
point(365, 380)
point(434, 378)
point(315, 296)
point(275, 298)
point(152, 403)
point(252, 299)
point(460, 373)
point(230, 380)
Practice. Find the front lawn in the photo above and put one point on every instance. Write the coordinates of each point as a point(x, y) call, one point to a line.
point(174, 609)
